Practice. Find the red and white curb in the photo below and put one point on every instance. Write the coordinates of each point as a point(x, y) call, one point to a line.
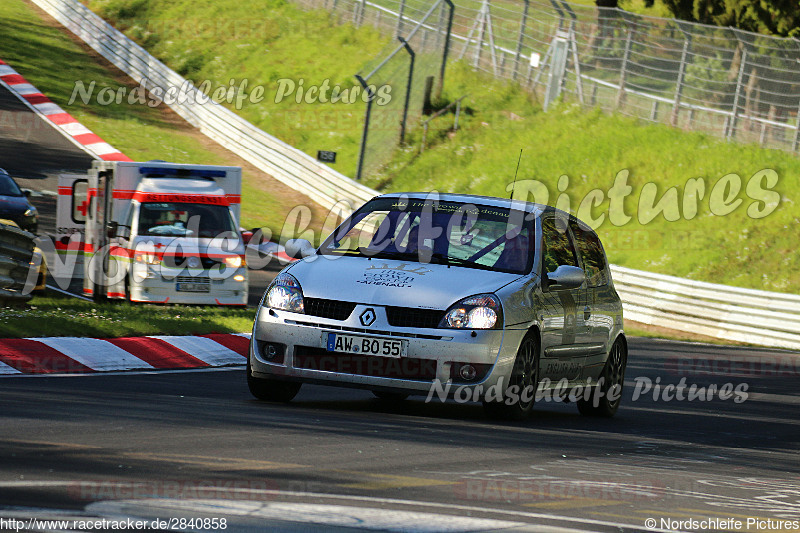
point(82, 136)
point(59, 355)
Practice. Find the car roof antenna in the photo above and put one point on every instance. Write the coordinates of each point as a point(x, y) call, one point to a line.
point(511, 196)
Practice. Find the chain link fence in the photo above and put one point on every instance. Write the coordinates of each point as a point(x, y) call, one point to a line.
point(404, 75)
point(730, 83)
point(734, 84)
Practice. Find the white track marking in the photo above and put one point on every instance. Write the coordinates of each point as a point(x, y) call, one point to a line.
point(95, 353)
point(206, 350)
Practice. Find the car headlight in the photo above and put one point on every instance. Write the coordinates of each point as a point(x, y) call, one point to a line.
point(148, 258)
point(482, 311)
point(234, 261)
point(285, 293)
point(31, 212)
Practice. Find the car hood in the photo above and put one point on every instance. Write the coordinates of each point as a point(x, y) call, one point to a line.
point(392, 282)
point(13, 205)
point(188, 245)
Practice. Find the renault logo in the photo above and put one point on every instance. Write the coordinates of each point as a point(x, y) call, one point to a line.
point(367, 317)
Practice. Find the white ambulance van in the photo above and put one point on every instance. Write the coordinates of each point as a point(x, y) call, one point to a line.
point(157, 232)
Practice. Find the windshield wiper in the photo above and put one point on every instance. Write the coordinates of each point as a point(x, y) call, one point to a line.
point(399, 256)
point(449, 260)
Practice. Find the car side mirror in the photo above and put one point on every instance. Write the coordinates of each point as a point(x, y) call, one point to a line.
point(27, 193)
point(565, 277)
point(112, 228)
point(299, 248)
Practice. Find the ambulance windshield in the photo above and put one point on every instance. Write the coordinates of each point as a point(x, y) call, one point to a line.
point(185, 220)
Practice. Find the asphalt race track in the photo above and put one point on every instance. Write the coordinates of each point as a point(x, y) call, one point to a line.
point(31, 147)
point(178, 450)
point(190, 444)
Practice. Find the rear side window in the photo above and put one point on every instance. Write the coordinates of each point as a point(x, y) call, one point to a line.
point(558, 249)
point(592, 255)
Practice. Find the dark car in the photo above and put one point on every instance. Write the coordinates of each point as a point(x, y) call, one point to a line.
point(14, 204)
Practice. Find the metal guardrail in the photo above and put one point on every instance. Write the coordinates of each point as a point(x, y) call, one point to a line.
point(745, 315)
point(285, 163)
point(720, 311)
point(16, 256)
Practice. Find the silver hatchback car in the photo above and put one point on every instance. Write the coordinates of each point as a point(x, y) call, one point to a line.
point(447, 295)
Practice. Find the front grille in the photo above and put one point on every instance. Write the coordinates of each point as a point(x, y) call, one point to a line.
point(193, 279)
point(179, 261)
point(333, 309)
point(370, 331)
point(411, 317)
point(411, 368)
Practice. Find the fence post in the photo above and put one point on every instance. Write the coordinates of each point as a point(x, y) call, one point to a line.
point(739, 79)
point(520, 38)
point(623, 68)
point(676, 104)
point(361, 13)
point(796, 140)
point(446, 48)
point(368, 113)
point(558, 66)
point(481, 34)
point(408, 90)
point(400, 18)
point(574, 47)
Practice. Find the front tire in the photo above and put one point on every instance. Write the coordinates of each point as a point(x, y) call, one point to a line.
point(271, 390)
point(520, 395)
point(613, 379)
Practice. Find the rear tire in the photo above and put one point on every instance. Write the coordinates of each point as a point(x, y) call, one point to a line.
point(613, 379)
point(271, 390)
point(525, 377)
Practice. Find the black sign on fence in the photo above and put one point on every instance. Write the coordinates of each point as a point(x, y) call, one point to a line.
point(326, 157)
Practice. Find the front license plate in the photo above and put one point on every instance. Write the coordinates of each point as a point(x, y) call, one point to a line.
point(336, 342)
point(192, 287)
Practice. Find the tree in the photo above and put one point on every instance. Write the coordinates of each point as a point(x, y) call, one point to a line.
point(775, 17)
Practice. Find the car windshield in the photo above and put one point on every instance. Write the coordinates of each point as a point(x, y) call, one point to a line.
point(8, 187)
point(426, 231)
point(184, 220)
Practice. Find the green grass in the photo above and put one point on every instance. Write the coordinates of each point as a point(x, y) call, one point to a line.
point(59, 316)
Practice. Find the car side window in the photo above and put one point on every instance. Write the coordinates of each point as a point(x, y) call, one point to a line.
point(592, 255)
point(558, 249)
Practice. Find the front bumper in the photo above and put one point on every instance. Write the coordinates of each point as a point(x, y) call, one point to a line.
point(160, 286)
point(432, 354)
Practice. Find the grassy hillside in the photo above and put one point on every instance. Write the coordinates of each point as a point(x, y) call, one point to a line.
point(590, 149)
point(268, 40)
point(260, 43)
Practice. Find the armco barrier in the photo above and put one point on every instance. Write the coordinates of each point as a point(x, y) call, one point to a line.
point(721, 311)
point(285, 163)
point(16, 255)
point(758, 317)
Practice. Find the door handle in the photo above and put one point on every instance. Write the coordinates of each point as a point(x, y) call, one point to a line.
point(587, 312)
